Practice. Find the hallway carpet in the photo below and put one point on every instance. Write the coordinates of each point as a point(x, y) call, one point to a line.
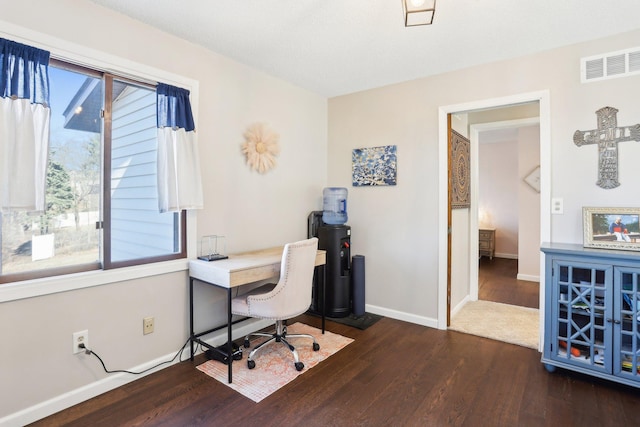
point(503, 322)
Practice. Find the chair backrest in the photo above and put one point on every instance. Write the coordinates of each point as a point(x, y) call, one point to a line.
point(292, 294)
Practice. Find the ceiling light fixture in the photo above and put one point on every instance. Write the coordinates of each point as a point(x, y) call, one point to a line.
point(418, 12)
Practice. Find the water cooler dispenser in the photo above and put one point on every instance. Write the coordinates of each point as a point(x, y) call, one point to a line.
point(336, 240)
point(334, 237)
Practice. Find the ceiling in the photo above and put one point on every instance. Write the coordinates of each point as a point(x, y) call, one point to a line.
point(337, 47)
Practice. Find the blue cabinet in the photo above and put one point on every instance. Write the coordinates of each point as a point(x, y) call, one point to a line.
point(592, 312)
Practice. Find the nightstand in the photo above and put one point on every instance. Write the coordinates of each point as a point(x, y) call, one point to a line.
point(487, 242)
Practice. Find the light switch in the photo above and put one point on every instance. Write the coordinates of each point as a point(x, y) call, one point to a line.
point(557, 205)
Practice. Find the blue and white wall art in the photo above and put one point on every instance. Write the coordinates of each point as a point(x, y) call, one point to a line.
point(374, 166)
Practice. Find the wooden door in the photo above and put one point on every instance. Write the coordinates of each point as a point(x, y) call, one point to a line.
point(449, 135)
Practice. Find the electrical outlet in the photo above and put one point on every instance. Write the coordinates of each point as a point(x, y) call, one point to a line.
point(81, 337)
point(147, 325)
point(557, 205)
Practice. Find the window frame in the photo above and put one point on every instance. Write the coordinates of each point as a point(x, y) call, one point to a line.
point(105, 262)
point(86, 57)
point(107, 120)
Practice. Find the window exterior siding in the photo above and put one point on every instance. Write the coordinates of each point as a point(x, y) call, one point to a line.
point(138, 230)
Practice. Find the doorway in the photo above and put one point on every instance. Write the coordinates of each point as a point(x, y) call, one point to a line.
point(508, 206)
point(545, 162)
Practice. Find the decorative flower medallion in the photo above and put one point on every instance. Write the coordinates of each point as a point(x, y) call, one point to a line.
point(260, 147)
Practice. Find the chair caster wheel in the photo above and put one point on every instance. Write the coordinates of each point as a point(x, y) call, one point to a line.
point(316, 346)
point(251, 364)
point(299, 366)
point(246, 344)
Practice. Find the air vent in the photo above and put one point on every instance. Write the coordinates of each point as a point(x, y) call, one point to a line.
point(594, 68)
point(634, 62)
point(610, 65)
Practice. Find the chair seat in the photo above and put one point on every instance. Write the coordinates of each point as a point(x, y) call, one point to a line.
point(239, 304)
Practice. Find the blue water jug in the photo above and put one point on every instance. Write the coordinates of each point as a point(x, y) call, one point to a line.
point(334, 200)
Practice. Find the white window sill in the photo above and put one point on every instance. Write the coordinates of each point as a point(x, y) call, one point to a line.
point(70, 282)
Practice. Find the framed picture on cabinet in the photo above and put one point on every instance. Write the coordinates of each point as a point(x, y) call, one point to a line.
point(611, 228)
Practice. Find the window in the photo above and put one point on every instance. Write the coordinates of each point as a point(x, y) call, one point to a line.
point(101, 198)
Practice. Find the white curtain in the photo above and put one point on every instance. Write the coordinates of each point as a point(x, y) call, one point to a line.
point(24, 144)
point(24, 126)
point(179, 182)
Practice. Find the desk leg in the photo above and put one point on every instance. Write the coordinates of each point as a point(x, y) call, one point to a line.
point(191, 316)
point(229, 338)
point(324, 294)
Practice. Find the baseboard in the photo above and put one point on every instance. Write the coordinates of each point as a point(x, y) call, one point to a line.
point(459, 306)
point(399, 315)
point(89, 391)
point(508, 256)
point(528, 278)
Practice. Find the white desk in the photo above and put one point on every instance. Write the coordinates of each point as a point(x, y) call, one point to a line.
point(237, 270)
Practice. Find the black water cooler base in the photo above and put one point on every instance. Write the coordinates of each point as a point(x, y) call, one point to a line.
point(336, 240)
point(338, 303)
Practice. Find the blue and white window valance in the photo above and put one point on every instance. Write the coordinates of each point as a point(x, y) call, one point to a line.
point(179, 182)
point(24, 126)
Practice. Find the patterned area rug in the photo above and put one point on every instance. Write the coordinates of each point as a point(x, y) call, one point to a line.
point(502, 322)
point(274, 363)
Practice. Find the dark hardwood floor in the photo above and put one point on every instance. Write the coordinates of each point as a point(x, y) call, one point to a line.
point(393, 374)
point(497, 282)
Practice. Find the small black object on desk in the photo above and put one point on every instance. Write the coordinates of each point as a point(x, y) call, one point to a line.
point(212, 257)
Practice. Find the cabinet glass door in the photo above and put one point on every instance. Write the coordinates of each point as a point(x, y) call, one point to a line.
point(582, 335)
point(627, 354)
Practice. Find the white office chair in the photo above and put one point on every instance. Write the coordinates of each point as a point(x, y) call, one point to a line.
point(290, 297)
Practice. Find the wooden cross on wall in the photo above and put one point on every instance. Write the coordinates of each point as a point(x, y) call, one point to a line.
point(607, 136)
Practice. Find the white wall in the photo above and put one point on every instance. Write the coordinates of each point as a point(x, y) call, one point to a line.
point(396, 227)
point(460, 236)
point(498, 194)
point(528, 205)
point(252, 210)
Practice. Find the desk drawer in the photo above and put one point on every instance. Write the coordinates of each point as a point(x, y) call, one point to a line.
point(255, 274)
